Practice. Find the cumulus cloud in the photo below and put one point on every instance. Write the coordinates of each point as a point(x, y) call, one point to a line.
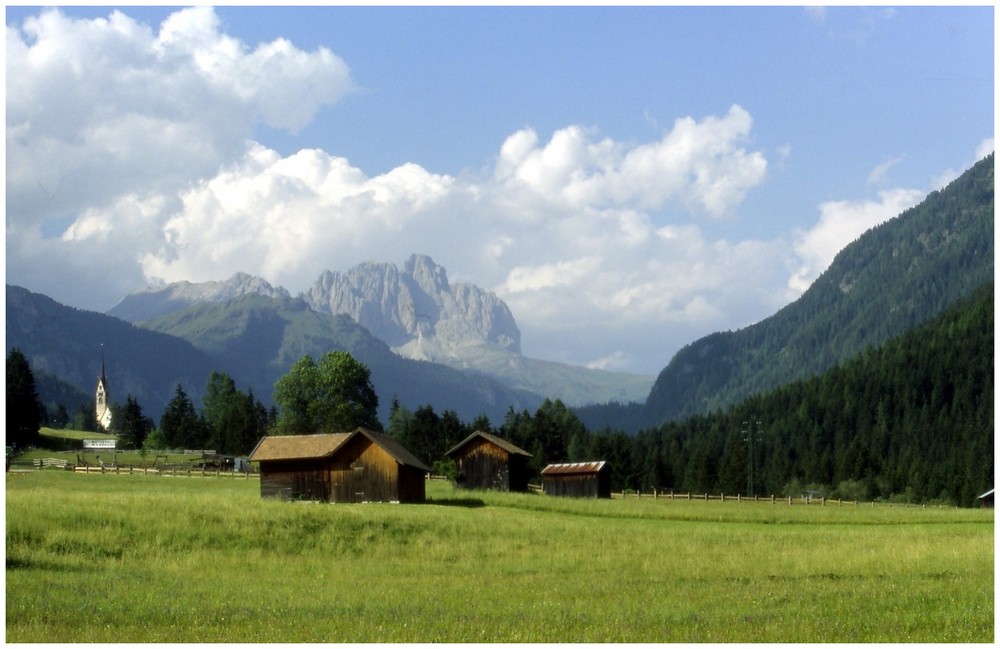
point(701, 165)
point(102, 109)
point(840, 223)
point(287, 218)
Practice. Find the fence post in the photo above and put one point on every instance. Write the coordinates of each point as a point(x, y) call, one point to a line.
point(789, 500)
point(772, 499)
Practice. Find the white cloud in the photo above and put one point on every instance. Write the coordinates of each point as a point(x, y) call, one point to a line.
point(840, 223)
point(985, 148)
point(106, 108)
point(700, 165)
point(878, 174)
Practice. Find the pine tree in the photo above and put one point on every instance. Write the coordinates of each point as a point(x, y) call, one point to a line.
point(181, 426)
point(24, 407)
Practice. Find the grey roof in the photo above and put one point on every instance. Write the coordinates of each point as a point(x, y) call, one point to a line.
point(988, 493)
point(499, 441)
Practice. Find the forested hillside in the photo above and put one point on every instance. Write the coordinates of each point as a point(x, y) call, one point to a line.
point(64, 343)
point(890, 279)
point(913, 417)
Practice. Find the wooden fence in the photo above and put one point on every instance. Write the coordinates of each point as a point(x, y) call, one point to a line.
point(167, 471)
point(773, 500)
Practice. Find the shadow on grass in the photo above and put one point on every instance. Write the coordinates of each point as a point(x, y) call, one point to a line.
point(456, 502)
point(14, 563)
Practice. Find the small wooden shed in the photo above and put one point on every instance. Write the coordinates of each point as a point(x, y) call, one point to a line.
point(484, 461)
point(986, 500)
point(360, 466)
point(577, 479)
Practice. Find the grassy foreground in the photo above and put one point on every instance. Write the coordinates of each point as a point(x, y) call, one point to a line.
point(104, 558)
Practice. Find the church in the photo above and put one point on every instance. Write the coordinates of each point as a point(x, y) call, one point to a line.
point(103, 407)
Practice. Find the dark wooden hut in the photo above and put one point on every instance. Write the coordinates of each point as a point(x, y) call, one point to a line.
point(484, 461)
point(578, 479)
point(986, 499)
point(361, 466)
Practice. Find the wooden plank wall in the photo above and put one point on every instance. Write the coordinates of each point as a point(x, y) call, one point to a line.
point(484, 465)
point(578, 486)
point(364, 472)
point(294, 480)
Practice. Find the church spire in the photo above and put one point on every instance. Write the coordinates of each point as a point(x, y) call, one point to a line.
point(102, 409)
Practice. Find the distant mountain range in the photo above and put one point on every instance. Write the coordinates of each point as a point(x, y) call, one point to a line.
point(415, 311)
point(254, 339)
point(891, 279)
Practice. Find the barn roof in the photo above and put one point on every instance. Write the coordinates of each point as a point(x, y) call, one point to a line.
point(502, 443)
point(988, 494)
point(297, 447)
point(302, 447)
point(574, 468)
point(393, 447)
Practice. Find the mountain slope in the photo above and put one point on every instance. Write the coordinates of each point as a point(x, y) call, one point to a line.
point(890, 279)
point(151, 302)
point(259, 338)
point(64, 342)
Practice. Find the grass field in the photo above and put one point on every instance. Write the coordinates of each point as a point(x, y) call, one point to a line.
point(52, 438)
point(104, 558)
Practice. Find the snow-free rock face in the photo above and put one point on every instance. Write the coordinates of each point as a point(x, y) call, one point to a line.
point(415, 310)
point(151, 302)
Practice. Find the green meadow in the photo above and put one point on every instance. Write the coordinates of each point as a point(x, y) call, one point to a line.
point(119, 558)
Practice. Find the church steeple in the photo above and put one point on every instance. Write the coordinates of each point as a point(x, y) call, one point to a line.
point(102, 409)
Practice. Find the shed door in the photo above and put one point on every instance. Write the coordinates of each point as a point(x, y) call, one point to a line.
point(350, 484)
point(308, 485)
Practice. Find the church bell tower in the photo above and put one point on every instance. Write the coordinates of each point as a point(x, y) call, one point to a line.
point(103, 409)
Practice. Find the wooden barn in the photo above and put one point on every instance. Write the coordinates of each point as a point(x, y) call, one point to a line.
point(986, 499)
point(579, 479)
point(361, 466)
point(485, 461)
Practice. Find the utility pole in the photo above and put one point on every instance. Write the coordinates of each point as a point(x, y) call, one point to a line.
point(752, 432)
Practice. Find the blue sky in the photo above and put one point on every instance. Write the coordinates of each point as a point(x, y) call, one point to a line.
point(626, 179)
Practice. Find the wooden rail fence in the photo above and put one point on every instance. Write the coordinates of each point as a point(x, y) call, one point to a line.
point(773, 500)
point(172, 472)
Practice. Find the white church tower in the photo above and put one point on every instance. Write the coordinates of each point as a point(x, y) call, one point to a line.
point(103, 408)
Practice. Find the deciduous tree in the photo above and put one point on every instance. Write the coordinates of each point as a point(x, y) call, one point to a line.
point(334, 395)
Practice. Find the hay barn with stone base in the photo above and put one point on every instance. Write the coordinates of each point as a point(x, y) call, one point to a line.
point(360, 466)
